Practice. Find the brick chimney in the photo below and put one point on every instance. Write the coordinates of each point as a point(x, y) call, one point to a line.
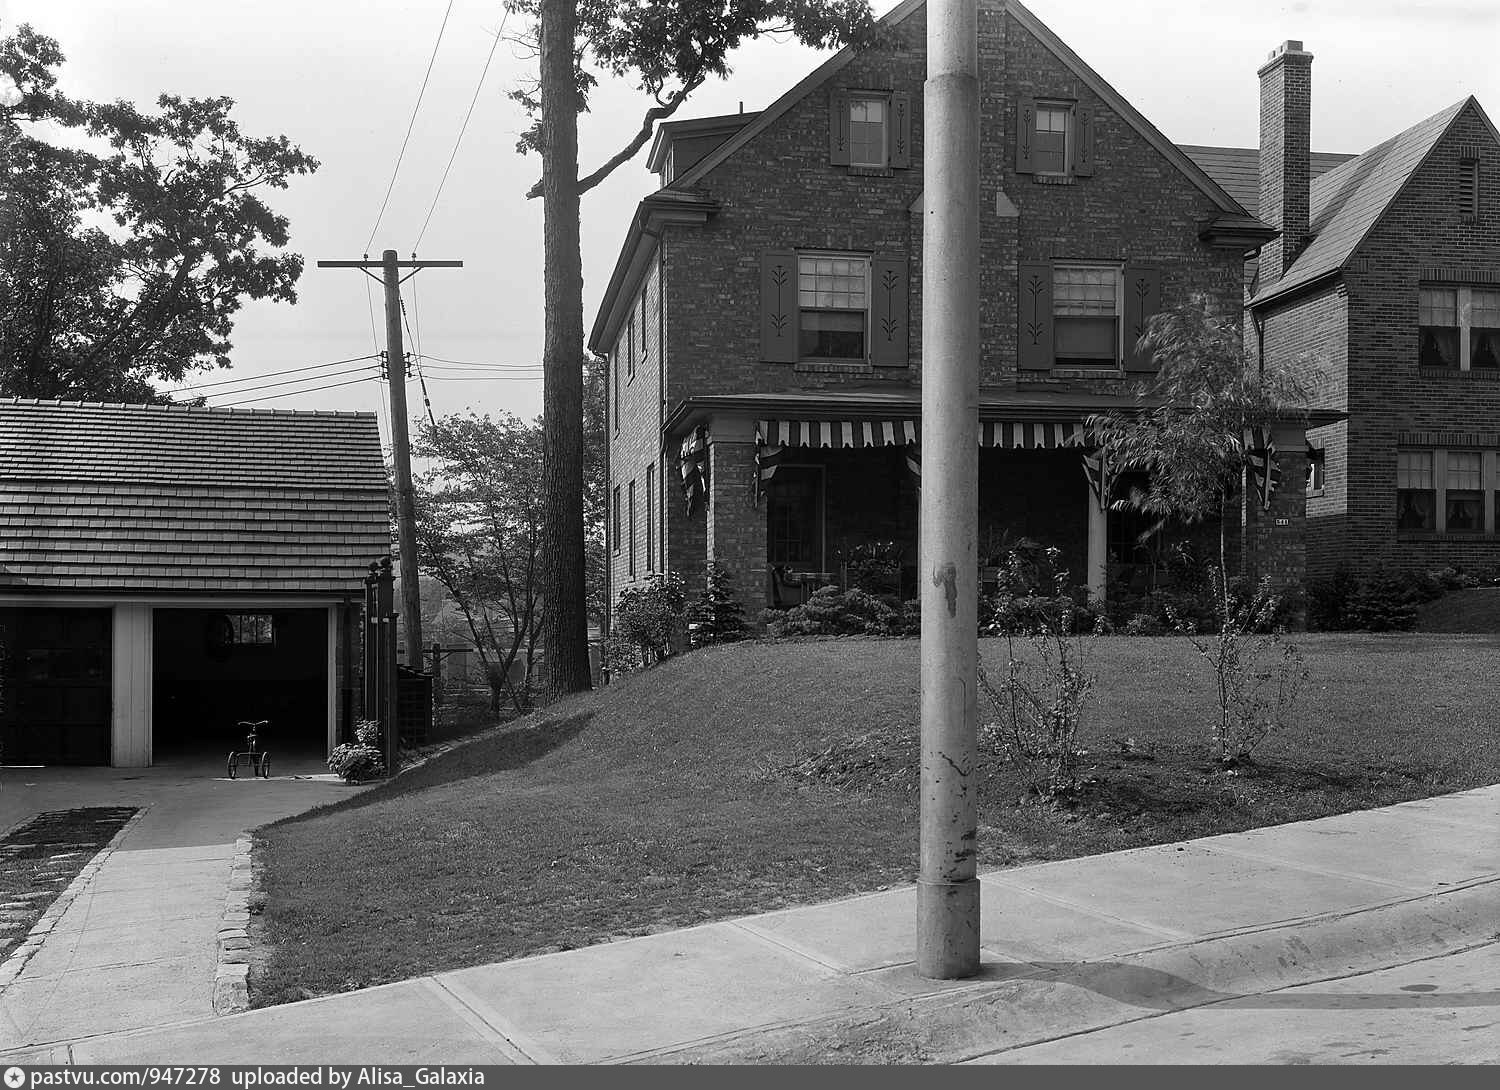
point(1285, 151)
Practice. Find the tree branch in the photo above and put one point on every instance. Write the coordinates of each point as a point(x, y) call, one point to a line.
point(625, 154)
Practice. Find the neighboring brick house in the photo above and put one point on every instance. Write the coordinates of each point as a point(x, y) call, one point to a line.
point(1384, 286)
point(763, 319)
point(166, 571)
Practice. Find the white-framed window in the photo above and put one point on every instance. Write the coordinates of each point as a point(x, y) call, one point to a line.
point(1086, 315)
point(1054, 125)
point(833, 302)
point(869, 131)
point(1463, 492)
point(1458, 327)
point(1416, 492)
point(1316, 472)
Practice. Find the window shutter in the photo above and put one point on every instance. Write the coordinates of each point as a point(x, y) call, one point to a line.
point(838, 128)
point(1083, 142)
point(1034, 325)
point(1142, 299)
point(888, 312)
point(901, 129)
point(1025, 135)
point(778, 306)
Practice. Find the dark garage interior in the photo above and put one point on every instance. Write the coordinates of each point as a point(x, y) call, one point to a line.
point(56, 666)
point(212, 668)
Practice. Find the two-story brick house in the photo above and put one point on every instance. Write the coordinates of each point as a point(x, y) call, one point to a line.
point(1383, 284)
point(763, 319)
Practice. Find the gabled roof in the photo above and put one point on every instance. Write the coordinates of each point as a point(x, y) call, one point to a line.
point(668, 131)
point(1349, 200)
point(1095, 82)
point(177, 499)
point(1238, 169)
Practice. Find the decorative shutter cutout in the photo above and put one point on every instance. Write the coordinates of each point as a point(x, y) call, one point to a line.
point(1034, 319)
point(838, 128)
point(1142, 299)
point(889, 329)
point(901, 129)
point(1025, 135)
point(1083, 142)
point(778, 306)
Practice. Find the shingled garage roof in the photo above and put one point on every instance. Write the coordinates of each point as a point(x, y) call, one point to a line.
point(171, 499)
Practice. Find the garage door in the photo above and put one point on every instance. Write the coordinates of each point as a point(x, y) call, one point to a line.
point(55, 696)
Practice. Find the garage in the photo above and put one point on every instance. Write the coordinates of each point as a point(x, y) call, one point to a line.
point(54, 686)
point(169, 570)
point(212, 668)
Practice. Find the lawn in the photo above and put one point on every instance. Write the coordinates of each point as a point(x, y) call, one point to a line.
point(750, 777)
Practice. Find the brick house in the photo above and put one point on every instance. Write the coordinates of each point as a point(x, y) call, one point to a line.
point(763, 319)
point(167, 571)
point(1384, 286)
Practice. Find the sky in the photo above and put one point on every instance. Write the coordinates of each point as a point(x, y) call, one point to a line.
point(340, 78)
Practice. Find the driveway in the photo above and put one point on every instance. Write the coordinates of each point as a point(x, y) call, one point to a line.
point(138, 945)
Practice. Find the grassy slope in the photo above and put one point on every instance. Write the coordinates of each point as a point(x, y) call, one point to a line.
point(658, 802)
point(1473, 611)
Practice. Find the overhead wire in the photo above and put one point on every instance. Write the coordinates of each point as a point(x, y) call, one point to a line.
point(265, 375)
point(292, 393)
point(259, 387)
point(410, 125)
point(462, 129)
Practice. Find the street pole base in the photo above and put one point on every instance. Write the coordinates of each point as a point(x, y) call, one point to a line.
point(948, 929)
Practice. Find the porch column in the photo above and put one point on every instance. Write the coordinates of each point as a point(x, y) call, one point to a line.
point(1098, 558)
point(736, 524)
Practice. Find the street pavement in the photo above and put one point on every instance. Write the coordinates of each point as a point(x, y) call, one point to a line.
point(137, 946)
point(1297, 942)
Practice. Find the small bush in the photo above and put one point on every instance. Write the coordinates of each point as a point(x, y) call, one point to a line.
point(356, 762)
point(834, 612)
point(1145, 624)
point(874, 567)
point(717, 616)
point(652, 618)
point(1384, 601)
point(367, 732)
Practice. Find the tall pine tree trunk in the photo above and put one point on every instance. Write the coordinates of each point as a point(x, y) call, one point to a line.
point(564, 616)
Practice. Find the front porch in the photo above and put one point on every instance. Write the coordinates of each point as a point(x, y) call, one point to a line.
point(793, 503)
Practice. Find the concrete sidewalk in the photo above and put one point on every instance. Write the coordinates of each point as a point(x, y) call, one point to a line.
point(137, 945)
point(1069, 948)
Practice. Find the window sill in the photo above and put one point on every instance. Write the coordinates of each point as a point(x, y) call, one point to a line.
point(1052, 179)
point(1423, 536)
point(1474, 374)
point(1314, 493)
point(872, 172)
point(835, 367)
point(1063, 371)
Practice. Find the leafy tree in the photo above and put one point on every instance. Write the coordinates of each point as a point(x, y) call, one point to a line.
point(717, 616)
point(127, 245)
point(671, 48)
point(1187, 433)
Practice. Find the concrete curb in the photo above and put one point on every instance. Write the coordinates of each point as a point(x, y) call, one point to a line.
point(231, 986)
point(1037, 1002)
point(13, 965)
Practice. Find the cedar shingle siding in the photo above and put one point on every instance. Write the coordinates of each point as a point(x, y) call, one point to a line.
point(170, 499)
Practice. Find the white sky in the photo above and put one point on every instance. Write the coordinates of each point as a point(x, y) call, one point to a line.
point(339, 78)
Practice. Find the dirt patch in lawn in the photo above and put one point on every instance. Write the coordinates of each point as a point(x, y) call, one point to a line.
point(39, 858)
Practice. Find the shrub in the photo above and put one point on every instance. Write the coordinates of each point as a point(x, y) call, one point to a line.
point(834, 612)
point(1145, 624)
point(1329, 601)
point(356, 762)
point(367, 732)
point(1383, 602)
point(1257, 673)
point(652, 618)
point(1037, 709)
point(874, 567)
point(717, 616)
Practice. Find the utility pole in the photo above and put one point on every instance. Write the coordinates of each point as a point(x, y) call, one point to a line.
point(948, 569)
point(395, 370)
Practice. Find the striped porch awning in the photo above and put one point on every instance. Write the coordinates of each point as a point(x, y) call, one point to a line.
point(1265, 474)
point(773, 437)
point(692, 463)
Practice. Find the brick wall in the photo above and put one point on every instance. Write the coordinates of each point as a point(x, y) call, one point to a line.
point(1374, 313)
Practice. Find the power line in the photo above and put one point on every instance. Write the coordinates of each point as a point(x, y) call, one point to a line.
point(487, 378)
point(291, 393)
point(287, 382)
point(462, 129)
point(410, 124)
point(479, 363)
point(268, 374)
